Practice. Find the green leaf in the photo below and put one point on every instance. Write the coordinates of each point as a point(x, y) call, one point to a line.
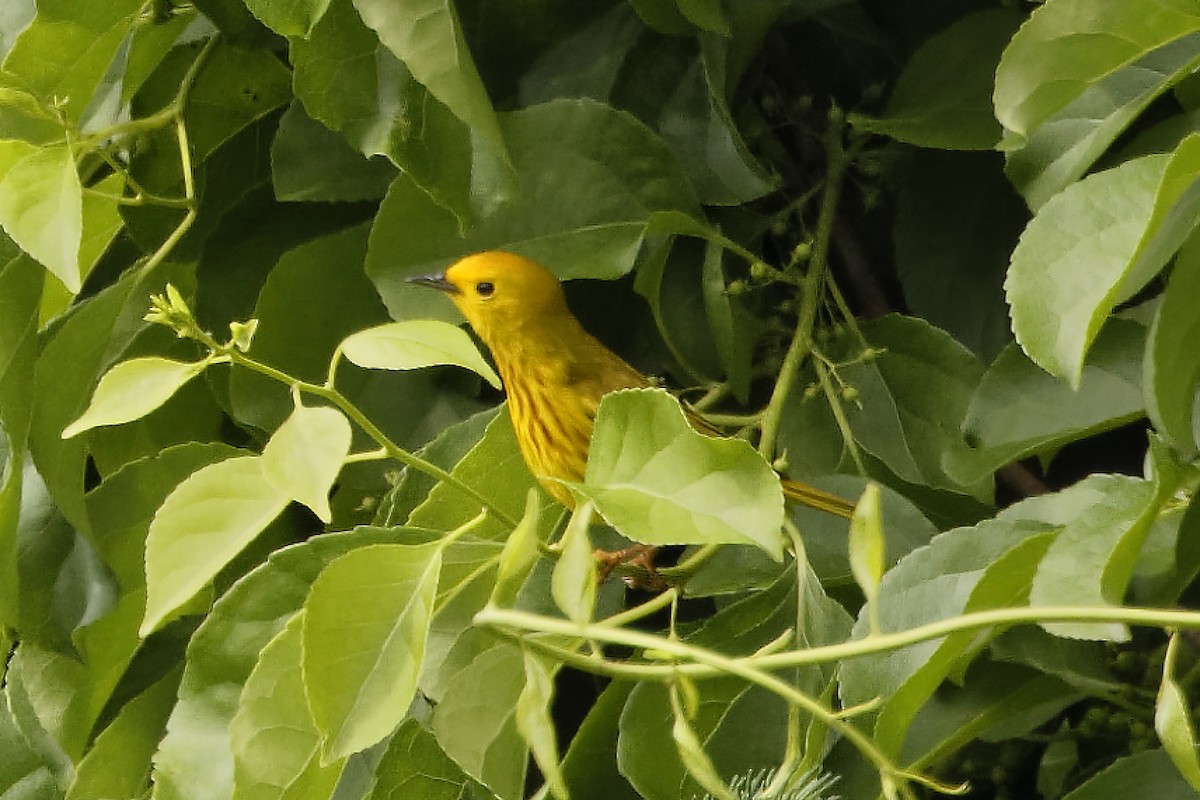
point(309, 162)
point(68, 49)
point(912, 398)
point(276, 745)
point(573, 584)
point(195, 760)
point(1097, 515)
point(41, 207)
point(611, 197)
point(729, 323)
point(1075, 76)
point(475, 722)
point(118, 762)
point(535, 724)
point(867, 543)
point(132, 389)
point(415, 766)
point(943, 97)
point(366, 622)
point(1094, 246)
point(1019, 410)
point(303, 458)
point(520, 553)
point(415, 344)
point(1173, 720)
point(200, 527)
point(1170, 372)
point(590, 765)
point(288, 18)
point(1148, 774)
point(986, 566)
point(427, 36)
point(658, 481)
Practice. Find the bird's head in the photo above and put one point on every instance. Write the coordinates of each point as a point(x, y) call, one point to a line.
point(499, 291)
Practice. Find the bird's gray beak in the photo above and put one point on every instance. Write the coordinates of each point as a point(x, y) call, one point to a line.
point(436, 281)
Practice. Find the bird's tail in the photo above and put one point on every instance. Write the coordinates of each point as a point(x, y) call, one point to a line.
point(813, 497)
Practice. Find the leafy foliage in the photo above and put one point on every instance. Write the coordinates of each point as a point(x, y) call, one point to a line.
point(265, 531)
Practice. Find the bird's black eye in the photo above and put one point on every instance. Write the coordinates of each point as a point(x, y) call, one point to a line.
point(485, 288)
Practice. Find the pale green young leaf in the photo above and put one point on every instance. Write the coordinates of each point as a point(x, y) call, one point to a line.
point(658, 481)
point(691, 751)
point(536, 725)
point(365, 628)
point(1173, 720)
point(414, 344)
point(275, 744)
point(303, 458)
point(867, 546)
point(132, 389)
point(573, 583)
point(1076, 74)
point(41, 208)
point(206, 521)
point(288, 18)
point(519, 555)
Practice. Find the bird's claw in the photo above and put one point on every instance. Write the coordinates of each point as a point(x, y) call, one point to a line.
point(638, 555)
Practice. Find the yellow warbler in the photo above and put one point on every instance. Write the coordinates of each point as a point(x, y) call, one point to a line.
point(554, 371)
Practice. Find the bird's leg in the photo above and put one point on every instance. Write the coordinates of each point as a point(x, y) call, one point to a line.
point(638, 555)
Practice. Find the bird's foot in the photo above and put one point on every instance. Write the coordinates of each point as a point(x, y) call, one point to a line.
point(639, 555)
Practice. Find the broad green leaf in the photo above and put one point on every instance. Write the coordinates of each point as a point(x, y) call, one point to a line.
point(415, 344)
point(590, 765)
point(366, 622)
point(1173, 720)
point(132, 389)
point(911, 399)
point(200, 527)
point(535, 723)
point(303, 458)
point(705, 14)
point(867, 543)
point(1075, 75)
point(195, 760)
point(427, 36)
point(943, 98)
point(276, 745)
point(356, 86)
point(288, 18)
point(495, 467)
point(41, 208)
point(475, 722)
point(573, 584)
point(25, 767)
point(1094, 246)
point(415, 766)
point(1095, 515)
point(932, 583)
point(1001, 425)
point(691, 751)
point(68, 49)
point(740, 728)
point(658, 481)
point(1170, 371)
point(610, 198)
point(1147, 774)
point(309, 162)
point(118, 762)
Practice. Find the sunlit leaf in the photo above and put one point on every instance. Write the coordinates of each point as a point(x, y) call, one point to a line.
point(414, 344)
point(303, 458)
point(41, 208)
point(658, 481)
point(132, 389)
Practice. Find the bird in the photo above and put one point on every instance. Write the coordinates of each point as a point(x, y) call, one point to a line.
point(553, 371)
